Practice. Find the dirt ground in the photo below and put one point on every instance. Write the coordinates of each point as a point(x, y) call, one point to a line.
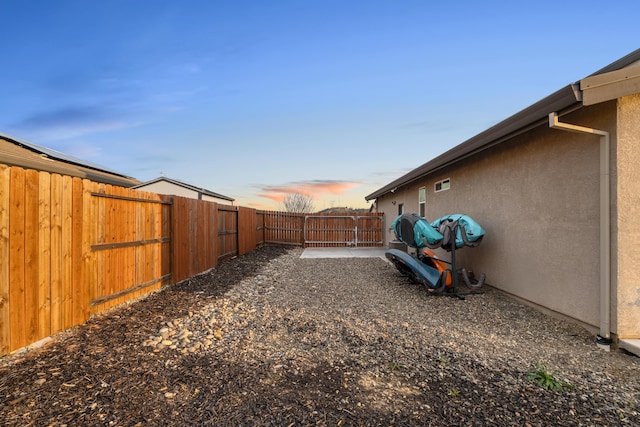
point(272, 339)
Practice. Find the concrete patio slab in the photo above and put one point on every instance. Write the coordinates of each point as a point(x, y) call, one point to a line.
point(631, 345)
point(343, 253)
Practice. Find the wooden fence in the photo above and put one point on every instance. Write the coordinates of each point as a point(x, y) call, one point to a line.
point(70, 248)
point(321, 230)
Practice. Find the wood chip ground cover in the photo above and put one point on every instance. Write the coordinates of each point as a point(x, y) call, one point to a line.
point(272, 339)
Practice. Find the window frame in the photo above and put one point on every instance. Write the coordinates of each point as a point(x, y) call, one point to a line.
point(422, 201)
point(438, 185)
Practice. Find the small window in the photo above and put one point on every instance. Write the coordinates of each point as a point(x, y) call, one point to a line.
point(422, 201)
point(400, 208)
point(445, 184)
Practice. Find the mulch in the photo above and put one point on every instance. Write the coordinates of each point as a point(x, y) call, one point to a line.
point(294, 354)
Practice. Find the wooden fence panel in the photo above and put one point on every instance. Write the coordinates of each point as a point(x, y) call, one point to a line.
point(370, 230)
point(283, 228)
point(247, 223)
point(124, 242)
point(70, 248)
point(321, 230)
point(227, 232)
point(194, 236)
point(327, 231)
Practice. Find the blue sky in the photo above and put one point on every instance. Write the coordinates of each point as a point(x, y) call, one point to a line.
point(254, 99)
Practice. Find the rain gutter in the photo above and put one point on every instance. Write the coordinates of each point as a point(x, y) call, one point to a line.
point(605, 221)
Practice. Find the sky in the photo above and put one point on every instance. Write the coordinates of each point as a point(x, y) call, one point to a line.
point(258, 99)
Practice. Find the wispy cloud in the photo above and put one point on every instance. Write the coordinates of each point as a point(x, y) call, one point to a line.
point(276, 197)
point(71, 122)
point(313, 188)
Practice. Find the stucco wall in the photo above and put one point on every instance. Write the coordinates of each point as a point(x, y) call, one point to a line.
point(537, 196)
point(627, 219)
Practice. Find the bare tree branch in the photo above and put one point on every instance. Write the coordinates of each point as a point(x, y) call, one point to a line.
point(298, 203)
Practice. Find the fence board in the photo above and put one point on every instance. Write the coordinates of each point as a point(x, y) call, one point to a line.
point(140, 250)
point(67, 252)
point(179, 233)
point(198, 247)
point(247, 217)
point(55, 281)
point(144, 217)
point(122, 253)
point(16, 258)
point(89, 236)
point(100, 283)
point(44, 254)
point(212, 237)
point(80, 295)
point(260, 239)
point(167, 249)
point(31, 278)
point(129, 253)
point(5, 321)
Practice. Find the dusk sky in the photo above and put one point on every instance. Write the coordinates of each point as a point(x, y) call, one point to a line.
point(254, 99)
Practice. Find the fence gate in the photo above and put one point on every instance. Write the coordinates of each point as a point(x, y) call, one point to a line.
point(342, 230)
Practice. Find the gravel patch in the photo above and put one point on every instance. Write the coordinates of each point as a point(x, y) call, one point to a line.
point(272, 339)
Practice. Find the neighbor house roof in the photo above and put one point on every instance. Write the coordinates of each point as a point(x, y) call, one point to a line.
point(606, 83)
point(18, 152)
point(203, 191)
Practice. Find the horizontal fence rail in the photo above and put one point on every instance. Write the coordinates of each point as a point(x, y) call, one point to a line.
point(71, 248)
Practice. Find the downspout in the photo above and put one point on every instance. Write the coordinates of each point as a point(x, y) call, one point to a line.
point(605, 220)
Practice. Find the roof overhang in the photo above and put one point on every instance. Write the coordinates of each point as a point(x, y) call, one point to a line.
point(612, 85)
point(537, 114)
point(617, 79)
point(29, 156)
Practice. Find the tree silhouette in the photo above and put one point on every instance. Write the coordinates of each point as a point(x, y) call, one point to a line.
point(298, 203)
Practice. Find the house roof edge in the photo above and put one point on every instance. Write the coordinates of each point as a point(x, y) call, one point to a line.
point(566, 98)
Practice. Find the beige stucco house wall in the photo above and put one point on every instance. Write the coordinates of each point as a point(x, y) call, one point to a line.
point(537, 194)
point(626, 240)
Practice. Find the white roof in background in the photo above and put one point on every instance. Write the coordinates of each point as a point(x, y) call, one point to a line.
point(185, 185)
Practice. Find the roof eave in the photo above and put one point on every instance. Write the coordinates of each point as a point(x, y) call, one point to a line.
point(198, 190)
point(532, 116)
point(569, 97)
point(64, 158)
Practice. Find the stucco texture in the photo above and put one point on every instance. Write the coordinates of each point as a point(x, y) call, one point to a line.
point(537, 196)
point(627, 218)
